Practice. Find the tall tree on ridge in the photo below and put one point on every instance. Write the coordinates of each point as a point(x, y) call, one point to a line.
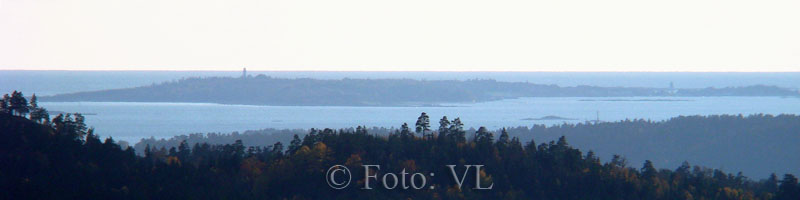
point(648, 170)
point(4, 107)
point(38, 114)
point(404, 131)
point(423, 124)
point(789, 188)
point(483, 136)
point(444, 125)
point(456, 132)
point(18, 104)
point(34, 102)
point(504, 139)
point(295, 144)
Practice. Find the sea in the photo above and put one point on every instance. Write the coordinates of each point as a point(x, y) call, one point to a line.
point(132, 121)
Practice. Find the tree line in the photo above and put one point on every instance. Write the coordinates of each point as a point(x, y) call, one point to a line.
point(17, 105)
point(756, 144)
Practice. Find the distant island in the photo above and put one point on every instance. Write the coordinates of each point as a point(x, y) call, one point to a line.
point(56, 112)
point(549, 117)
point(265, 90)
point(666, 100)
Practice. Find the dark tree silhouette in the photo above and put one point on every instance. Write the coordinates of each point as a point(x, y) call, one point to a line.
point(789, 188)
point(18, 104)
point(294, 145)
point(483, 136)
point(648, 170)
point(503, 140)
point(423, 125)
point(38, 114)
point(4, 104)
point(405, 132)
point(456, 132)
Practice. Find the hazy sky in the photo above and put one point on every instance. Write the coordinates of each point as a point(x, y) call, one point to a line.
point(381, 35)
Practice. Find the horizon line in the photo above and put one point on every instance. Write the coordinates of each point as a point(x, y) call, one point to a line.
point(434, 71)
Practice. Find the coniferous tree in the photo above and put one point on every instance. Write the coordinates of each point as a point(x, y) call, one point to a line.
point(530, 147)
point(147, 151)
point(404, 131)
point(789, 188)
point(183, 150)
point(456, 132)
point(648, 170)
point(562, 141)
point(683, 170)
point(277, 148)
point(80, 126)
point(4, 104)
point(618, 161)
point(483, 136)
point(295, 144)
point(38, 114)
point(444, 125)
point(18, 104)
point(503, 140)
point(423, 124)
point(34, 102)
point(771, 184)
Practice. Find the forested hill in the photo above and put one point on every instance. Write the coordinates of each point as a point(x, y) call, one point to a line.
point(756, 145)
point(264, 90)
point(62, 159)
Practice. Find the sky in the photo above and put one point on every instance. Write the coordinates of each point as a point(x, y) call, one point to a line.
point(407, 35)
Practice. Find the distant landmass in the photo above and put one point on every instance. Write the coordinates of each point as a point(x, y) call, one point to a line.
point(634, 100)
point(56, 112)
point(549, 117)
point(265, 90)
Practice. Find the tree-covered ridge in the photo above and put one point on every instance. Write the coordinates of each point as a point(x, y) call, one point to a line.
point(264, 90)
point(757, 144)
point(64, 159)
point(17, 105)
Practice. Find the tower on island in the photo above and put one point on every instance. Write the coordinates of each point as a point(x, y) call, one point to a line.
point(244, 72)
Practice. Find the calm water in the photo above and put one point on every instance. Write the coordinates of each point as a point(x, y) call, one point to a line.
point(133, 121)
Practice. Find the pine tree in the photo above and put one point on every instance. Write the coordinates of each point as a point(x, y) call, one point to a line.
point(483, 136)
point(423, 124)
point(183, 150)
point(404, 131)
point(34, 102)
point(295, 144)
point(456, 132)
point(38, 114)
point(503, 141)
point(771, 185)
point(648, 170)
point(18, 104)
point(4, 107)
point(147, 151)
point(444, 125)
point(277, 148)
point(789, 188)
